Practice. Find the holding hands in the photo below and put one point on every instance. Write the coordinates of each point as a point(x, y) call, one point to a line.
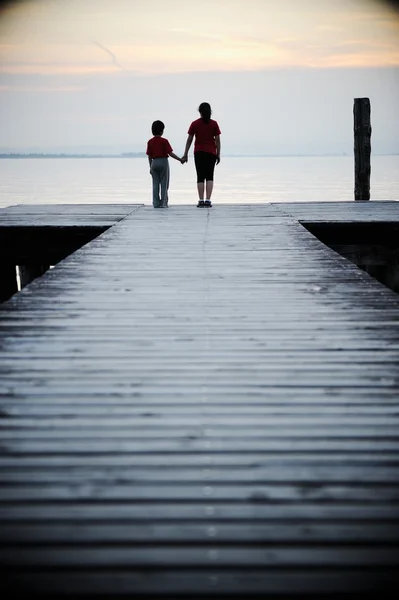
point(184, 159)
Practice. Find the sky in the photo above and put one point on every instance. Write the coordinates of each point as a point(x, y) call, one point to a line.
point(281, 75)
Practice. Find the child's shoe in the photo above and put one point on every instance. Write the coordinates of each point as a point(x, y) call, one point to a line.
point(208, 203)
point(200, 204)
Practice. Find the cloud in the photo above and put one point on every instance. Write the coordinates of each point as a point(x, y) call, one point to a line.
point(41, 89)
point(54, 69)
point(50, 40)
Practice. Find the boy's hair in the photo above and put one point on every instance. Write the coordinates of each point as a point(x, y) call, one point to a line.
point(157, 128)
point(205, 111)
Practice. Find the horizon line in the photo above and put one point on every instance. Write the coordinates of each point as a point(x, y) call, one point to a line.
point(143, 155)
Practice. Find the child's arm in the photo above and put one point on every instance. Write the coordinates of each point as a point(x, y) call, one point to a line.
point(188, 145)
point(173, 155)
point(150, 161)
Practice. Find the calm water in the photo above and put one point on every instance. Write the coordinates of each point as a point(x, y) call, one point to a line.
point(237, 180)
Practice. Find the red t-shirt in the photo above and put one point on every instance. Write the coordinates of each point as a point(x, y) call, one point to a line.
point(158, 147)
point(204, 135)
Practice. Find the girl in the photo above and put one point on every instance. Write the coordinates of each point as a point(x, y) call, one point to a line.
point(206, 151)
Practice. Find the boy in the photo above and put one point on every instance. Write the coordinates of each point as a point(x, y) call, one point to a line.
point(158, 150)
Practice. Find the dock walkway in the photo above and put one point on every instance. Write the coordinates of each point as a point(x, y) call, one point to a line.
point(202, 402)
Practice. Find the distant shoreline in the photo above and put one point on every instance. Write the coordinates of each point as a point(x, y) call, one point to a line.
point(64, 155)
point(143, 155)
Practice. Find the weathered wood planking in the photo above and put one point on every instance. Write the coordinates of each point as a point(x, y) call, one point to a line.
point(38, 236)
point(366, 235)
point(72, 209)
point(342, 212)
point(64, 215)
point(202, 402)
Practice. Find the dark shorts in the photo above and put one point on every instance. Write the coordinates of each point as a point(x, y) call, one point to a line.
point(205, 165)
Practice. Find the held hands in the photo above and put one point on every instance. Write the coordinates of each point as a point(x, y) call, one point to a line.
point(184, 159)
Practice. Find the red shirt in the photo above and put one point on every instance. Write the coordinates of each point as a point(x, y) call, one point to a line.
point(158, 147)
point(204, 135)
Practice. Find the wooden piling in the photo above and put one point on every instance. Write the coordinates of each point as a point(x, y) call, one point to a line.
point(29, 272)
point(8, 281)
point(362, 147)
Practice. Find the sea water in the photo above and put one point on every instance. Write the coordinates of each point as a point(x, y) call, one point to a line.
point(238, 180)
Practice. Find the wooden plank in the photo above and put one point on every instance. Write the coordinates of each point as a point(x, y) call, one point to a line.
point(29, 215)
point(215, 424)
point(207, 460)
point(175, 491)
point(342, 212)
point(76, 410)
point(172, 556)
point(276, 533)
point(200, 511)
point(338, 396)
point(213, 581)
point(196, 444)
point(169, 470)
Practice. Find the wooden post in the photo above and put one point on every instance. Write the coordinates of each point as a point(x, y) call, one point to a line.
point(28, 273)
point(8, 281)
point(362, 147)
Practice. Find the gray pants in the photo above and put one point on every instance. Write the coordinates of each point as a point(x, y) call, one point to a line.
point(160, 182)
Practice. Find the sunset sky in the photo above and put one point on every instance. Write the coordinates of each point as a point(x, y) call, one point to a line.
point(281, 75)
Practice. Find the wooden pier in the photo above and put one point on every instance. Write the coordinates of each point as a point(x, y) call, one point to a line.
point(200, 403)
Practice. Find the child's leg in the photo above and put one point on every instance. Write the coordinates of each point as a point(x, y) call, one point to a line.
point(155, 184)
point(165, 174)
point(209, 189)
